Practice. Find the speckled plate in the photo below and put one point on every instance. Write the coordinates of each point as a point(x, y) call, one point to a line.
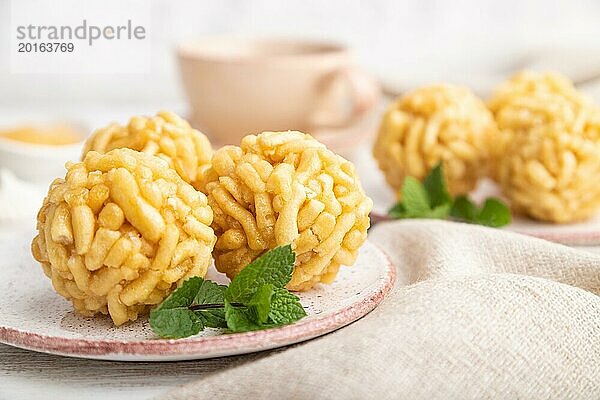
point(34, 317)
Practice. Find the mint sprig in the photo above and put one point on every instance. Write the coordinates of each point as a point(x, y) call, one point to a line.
point(431, 199)
point(255, 299)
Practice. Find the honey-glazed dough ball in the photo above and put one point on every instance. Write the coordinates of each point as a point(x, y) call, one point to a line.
point(551, 174)
point(530, 99)
point(165, 135)
point(286, 187)
point(438, 123)
point(120, 232)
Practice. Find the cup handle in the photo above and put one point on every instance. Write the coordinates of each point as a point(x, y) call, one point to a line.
point(344, 96)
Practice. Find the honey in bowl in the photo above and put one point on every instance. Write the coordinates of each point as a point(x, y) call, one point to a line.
point(52, 135)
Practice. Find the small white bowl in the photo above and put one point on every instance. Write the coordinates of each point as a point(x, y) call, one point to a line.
point(39, 163)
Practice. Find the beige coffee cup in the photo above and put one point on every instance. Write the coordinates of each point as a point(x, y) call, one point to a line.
point(236, 87)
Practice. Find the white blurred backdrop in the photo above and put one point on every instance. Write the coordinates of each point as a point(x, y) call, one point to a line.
point(405, 43)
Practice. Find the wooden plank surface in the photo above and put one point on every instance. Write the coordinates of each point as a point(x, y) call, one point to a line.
point(27, 375)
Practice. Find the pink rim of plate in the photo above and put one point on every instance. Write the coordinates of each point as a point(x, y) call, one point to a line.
point(225, 344)
point(567, 238)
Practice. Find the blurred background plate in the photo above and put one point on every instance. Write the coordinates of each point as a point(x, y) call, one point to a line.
point(585, 233)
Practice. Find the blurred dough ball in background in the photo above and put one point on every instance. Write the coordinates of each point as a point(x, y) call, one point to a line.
point(547, 158)
point(551, 173)
point(166, 136)
point(438, 123)
point(531, 99)
point(286, 187)
point(120, 231)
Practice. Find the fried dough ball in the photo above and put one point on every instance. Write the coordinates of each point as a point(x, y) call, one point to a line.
point(285, 187)
point(531, 99)
point(551, 174)
point(439, 123)
point(120, 231)
point(165, 135)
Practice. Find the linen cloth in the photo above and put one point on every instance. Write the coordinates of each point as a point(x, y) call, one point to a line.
point(476, 313)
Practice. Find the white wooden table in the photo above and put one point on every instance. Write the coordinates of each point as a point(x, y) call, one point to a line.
point(26, 375)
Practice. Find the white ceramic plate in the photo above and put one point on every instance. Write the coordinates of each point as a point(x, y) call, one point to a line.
point(34, 317)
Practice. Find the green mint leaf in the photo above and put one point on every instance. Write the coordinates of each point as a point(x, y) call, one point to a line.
point(494, 213)
point(240, 319)
point(175, 323)
point(285, 308)
point(184, 295)
point(260, 303)
point(464, 209)
point(210, 292)
point(435, 185)
point(274, 267)
point(397, 211)
point(440, 212)
point(414, 198)
point(212, 318)
point(429, 199)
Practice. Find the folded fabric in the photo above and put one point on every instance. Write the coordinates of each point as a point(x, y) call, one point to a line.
point(476, 313)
